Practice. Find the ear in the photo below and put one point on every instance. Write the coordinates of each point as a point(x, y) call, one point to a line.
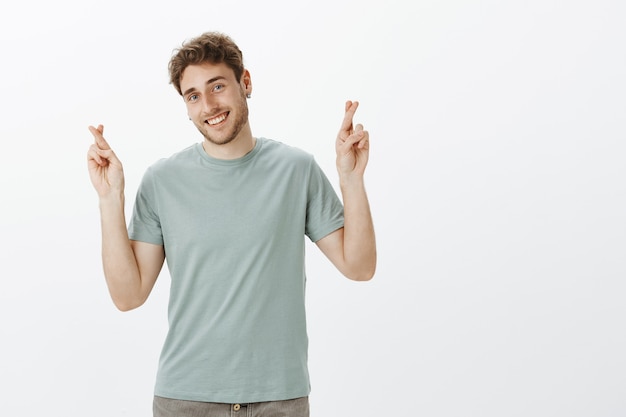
point(246, 82)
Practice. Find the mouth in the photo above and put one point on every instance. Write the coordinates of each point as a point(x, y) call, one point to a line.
point(220, 118)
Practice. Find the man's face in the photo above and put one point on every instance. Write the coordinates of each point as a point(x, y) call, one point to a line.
point(215, 100)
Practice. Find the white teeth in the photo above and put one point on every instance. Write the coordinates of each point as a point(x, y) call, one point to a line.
point(217, 119)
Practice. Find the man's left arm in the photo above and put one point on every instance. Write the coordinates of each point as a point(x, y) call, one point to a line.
point(352, 249)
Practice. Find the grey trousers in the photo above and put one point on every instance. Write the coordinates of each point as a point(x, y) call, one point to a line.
point(166, 407)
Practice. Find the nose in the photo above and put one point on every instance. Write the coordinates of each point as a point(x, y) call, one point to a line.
point(208, 104)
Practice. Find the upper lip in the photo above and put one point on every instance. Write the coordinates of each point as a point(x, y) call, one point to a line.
point(217, 115)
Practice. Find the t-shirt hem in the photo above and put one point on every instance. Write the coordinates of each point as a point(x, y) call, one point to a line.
point(225, 398)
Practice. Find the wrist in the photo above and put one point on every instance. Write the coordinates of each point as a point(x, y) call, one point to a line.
point(351, 181)
point(112, 199)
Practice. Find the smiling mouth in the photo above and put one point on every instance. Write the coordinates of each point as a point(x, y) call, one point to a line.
point(217, 119)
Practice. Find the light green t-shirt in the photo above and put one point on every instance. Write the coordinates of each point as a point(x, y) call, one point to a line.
point(233, 233)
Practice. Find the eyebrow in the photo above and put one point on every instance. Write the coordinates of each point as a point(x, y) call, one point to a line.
point(211, 81)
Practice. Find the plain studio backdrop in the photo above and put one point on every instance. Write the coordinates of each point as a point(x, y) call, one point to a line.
point(496, 179)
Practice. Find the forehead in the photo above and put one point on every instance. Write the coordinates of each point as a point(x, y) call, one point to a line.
point(197, 75)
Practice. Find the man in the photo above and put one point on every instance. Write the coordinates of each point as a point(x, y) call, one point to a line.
point(230, 213)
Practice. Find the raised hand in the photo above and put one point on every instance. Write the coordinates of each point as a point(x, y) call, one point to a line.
point(105, 170)
point(352, 145)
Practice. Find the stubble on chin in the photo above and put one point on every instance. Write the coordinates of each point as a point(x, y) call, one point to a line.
point(213, 140)
point(237, 128)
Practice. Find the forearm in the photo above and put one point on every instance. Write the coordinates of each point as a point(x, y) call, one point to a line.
point(359, 243)
point(119, 263)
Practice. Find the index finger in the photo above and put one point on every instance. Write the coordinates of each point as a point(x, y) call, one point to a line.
point(99, 139)
point(351, 107)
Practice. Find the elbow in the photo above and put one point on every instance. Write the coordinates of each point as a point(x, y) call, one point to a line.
point(126, 298)
point(362, 276)
point(126, 305)
point(363, 273)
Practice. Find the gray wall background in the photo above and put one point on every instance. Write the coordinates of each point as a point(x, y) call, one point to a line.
point(496, 179)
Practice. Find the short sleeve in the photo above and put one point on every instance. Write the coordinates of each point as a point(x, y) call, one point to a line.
point(145, 225)
point(324, 212)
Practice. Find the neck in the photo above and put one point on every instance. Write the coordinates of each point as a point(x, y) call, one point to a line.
point(238, 147)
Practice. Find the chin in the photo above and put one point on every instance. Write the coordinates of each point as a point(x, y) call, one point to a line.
point(218, 141)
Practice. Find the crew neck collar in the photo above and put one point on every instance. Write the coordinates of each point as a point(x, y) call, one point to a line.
point(230, 162)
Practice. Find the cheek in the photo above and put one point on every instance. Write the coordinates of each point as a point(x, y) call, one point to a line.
point(191, 112)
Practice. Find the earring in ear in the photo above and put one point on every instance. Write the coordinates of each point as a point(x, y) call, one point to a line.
point(248, 95)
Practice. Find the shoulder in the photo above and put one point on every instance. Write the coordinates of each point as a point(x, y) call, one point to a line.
point(285, 153)
point(174, 161)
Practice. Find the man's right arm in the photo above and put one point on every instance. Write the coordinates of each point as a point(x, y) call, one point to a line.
point(130, 267)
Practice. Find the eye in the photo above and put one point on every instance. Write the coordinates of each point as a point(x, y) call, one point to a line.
point(218, 87)
point(192, 97)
